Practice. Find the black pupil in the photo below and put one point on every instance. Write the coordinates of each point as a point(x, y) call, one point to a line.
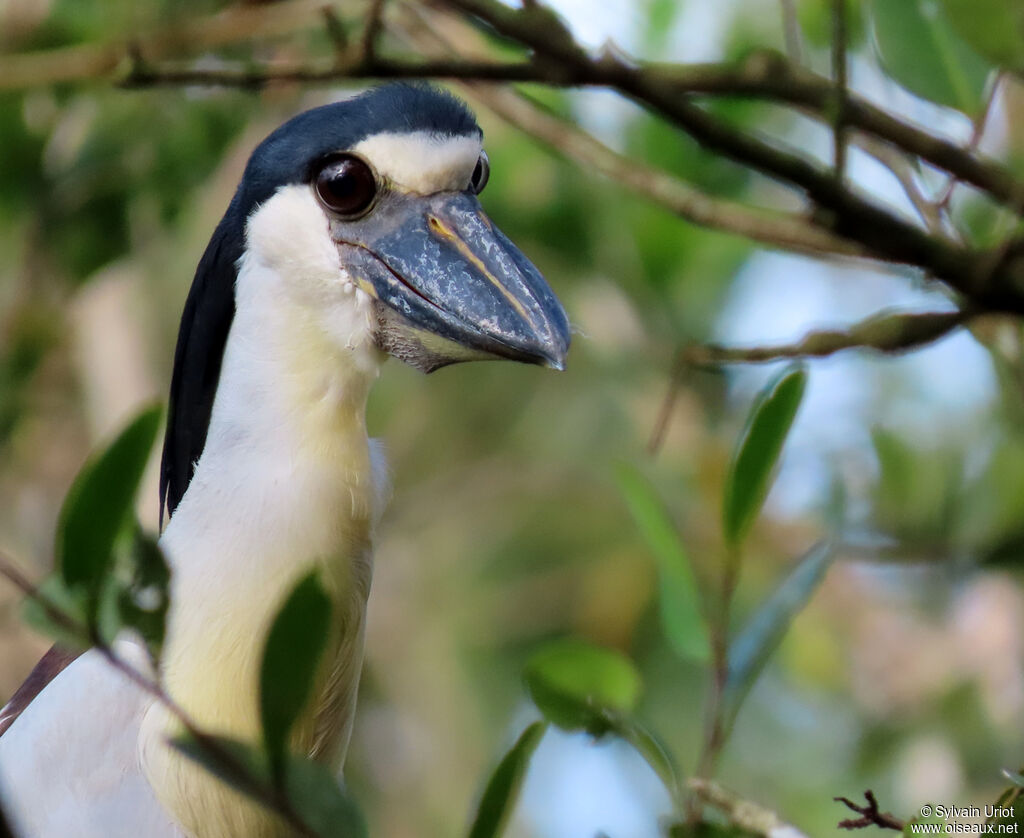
point(480, 174)
point(346, 185)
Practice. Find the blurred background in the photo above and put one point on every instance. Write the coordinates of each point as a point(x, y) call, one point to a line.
point(507, 528)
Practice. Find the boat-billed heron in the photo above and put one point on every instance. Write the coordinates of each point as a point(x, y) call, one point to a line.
point(355, 233)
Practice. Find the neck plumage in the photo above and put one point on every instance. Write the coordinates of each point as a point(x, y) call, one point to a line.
point(286, 482)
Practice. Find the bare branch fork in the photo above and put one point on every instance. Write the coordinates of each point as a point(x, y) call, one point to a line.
point(870, 815)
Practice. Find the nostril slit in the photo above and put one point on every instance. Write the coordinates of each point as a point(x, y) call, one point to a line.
point(438, 228)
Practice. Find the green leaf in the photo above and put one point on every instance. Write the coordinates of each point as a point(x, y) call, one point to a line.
point(143, 600)
point(920, 494)
point(1014, 777)
point(312, 794)
point(1007, 810)
point(294, 646)
point(994, 28)
point(321, 802)
point(749, 477)
point(761, 636)
point(578, 686)
point(661, 14)
point(71, 627)
point(502, 791)
point(919, 49)
point(678, 594)
point(815, 19)
point(99, 504)
point(652, 749)
point(242, 766)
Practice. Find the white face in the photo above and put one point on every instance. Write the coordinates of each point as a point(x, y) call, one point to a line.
point(420, 162)
point(387, 244)
point(292, 265)
point(289, 231)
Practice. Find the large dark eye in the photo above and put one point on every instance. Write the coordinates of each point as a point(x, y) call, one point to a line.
point(480, 174)
point(345, 184)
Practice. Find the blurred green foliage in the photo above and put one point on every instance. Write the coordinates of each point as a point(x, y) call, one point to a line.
point(758, 453)
point(501, 793)
point(921, 51)
point(509, 530)
point(678, 595)
point(295, 646)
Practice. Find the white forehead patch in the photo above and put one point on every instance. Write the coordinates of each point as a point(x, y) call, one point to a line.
point(422, 162)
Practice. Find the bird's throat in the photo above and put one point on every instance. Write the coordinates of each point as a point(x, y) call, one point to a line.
point(286, 482)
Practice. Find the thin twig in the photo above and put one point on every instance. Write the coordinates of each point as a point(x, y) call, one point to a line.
point(258, 76)
point(668, 91)
point(888, 331)
point(764, 74)
point(775, 229)
point(266, 794)
point(9, 570)
point(336, 31)
point(781, 230)
point(902, 168)
point(977, 132)
point(845, 211)
point(676, 377)
point(372, 30)
point(839, 69)
point(869, 815)
point(791, 32)
point(715, 732)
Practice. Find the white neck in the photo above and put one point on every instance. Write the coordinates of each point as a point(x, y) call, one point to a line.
point(286, 482)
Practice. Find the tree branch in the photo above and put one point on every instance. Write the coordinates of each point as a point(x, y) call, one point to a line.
point(372, 29)
point(266, 794)
point(764, 74)
point(774, 229)
point(259, 76)
point(888, 331)
point(84, 62)
point(335, 31)
point(841, 88)
point(845, 212)
point(977, 132)
point(747, 815)
point(991, 278)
